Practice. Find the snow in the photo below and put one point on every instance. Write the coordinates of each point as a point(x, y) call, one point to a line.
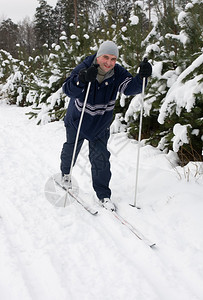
point(182, 93)
point(182, 37)
point(152, 47)
point(180, 136)
point(65, 253)
point(190, 5)
point(73, 36)
point(134, 20)
point(86, 36)
point(124, 28)
point(182, 15)
point(157, 69)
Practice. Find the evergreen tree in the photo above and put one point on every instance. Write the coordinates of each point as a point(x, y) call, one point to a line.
point(26, 37)
point(117, 8)
point(19, 77)
point(7, 65)
point(9, 36)
point(177, 66)
point(68, 12)
point(44, 24)
point(188, 109)
point(46, 92)
point(131, 36)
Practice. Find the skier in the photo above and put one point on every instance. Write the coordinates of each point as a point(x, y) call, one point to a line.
point(107, 79)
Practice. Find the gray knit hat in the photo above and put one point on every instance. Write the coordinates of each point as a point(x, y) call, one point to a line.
point(108, 47)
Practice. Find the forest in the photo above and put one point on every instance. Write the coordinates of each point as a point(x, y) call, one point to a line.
point(37, 55)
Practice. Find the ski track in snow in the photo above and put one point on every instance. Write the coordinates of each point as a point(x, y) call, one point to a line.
point(65, 253)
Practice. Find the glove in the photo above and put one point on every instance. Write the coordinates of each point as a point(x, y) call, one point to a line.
point(145, 69)
point(88, 75)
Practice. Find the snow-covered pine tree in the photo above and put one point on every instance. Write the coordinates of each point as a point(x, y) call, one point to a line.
point(130, 40)
point(183, 104)
point(174, 94)
point(16, 78)
point(7, 65)
point(46, 92)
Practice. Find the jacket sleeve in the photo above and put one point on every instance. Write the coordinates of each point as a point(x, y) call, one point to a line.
point(129, 85)
point(72, 87)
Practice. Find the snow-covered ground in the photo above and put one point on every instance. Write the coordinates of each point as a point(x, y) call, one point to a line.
point(49, 253)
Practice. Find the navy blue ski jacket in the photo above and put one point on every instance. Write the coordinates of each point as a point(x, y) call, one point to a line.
point(101, 100)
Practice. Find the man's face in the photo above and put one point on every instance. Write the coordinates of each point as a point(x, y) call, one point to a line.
point(106, 62)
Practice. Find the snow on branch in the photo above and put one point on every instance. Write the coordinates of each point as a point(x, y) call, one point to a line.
point(181, 94)
point(180, 136)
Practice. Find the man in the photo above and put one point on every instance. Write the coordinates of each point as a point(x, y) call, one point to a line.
point(107, 79)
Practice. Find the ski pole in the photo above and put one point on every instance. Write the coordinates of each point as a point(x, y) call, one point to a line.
point(139, 142)
point(78, 130)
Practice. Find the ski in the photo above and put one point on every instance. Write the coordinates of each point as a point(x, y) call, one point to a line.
point(90, 209)
point(93, 211)
point(79, 200)
point(136, 232)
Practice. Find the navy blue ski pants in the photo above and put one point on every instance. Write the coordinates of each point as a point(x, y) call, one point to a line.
point(98, 156)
